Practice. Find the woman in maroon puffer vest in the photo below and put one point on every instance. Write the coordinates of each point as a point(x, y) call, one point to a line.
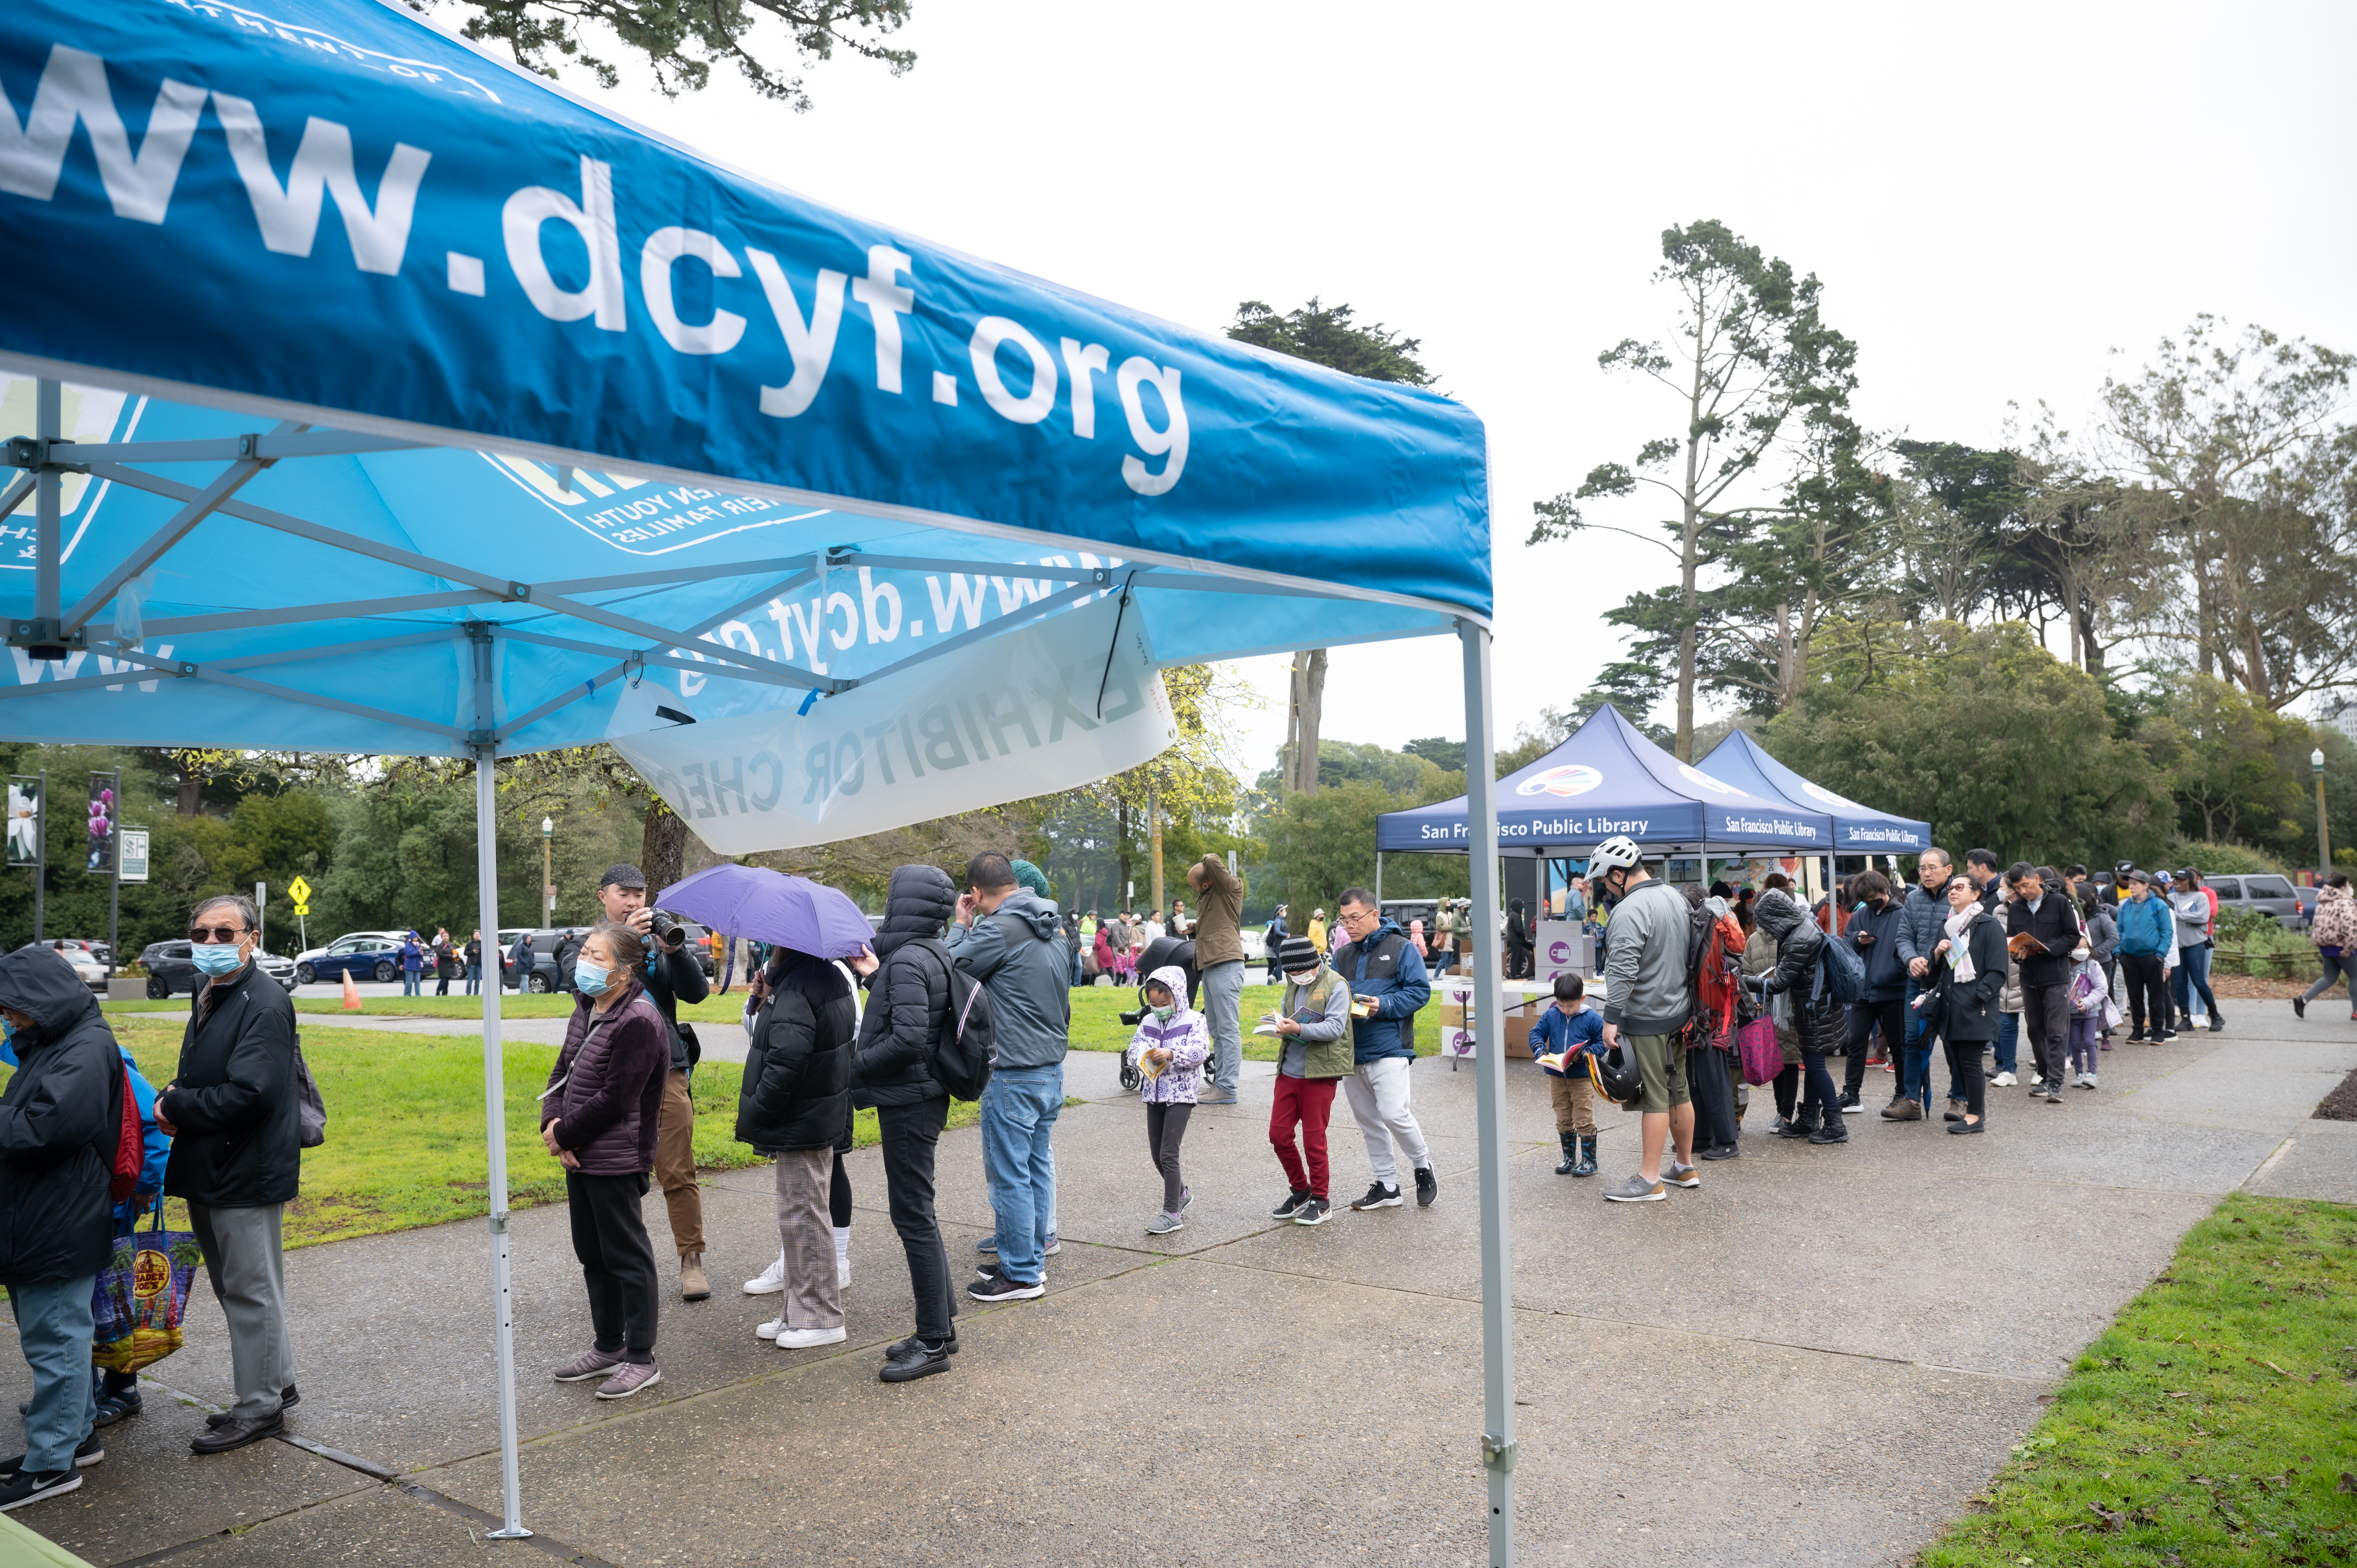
point(598, 1120)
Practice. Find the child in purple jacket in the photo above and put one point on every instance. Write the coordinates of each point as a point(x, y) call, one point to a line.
point(1168, 1050)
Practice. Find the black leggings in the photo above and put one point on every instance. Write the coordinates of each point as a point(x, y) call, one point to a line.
point(1165, 1125)
point(1964, 1067)
point(2144, 981)
point(1787, 1090)
point(839, 1194)
point(1891, 1014)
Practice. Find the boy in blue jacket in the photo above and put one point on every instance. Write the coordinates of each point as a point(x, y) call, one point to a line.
point(1566, 1030)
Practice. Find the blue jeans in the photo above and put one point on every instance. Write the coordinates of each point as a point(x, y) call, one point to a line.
point(2192, 975)
point(1019, 1107)
point(411, 980)
point(1915, 1061)
point(2009, 1037)
point(474, 980)
point(53, 1326)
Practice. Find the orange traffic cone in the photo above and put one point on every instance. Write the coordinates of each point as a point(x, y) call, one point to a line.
point(351, 994)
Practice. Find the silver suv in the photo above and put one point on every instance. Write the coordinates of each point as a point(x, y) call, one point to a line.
point(2266, 894)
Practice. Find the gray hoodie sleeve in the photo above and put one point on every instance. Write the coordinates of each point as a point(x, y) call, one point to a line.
point(978, 949)
point(1625, 936)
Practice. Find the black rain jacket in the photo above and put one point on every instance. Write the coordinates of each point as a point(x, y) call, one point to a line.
point(797, 1085)
point(233, 1100)
point(60, 1122)
point(909, 994)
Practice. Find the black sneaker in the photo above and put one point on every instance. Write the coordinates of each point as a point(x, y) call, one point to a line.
point(1291, 1205)
point(1427, 1186)
point(2300, 1006)
point(1379, 1197)
point(1313, 1211)
point(998, 1287)
point(914, 1359)
point(900, 1346)
point(90, 1452)
point(30, 1486)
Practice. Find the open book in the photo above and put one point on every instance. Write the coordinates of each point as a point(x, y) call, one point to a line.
point(2022, 944)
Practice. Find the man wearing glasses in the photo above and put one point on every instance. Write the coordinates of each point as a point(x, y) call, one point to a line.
point(231, 1112)
point(1388, 986)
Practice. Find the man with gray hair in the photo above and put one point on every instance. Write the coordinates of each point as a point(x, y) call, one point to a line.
point(233, 1114)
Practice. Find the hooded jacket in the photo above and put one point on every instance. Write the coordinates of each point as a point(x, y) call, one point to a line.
point(796, 1092)
point(60, 1120)
point(613, 1069)
point(1384, 965)
point(1817, 1025)
point(1886, 968)
point(1186, 1034)
point(1019, 954)
point(2147, 929)
point(909, 994)
point(233, 1100)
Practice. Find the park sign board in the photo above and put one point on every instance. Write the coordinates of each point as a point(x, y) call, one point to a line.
point(131, 864)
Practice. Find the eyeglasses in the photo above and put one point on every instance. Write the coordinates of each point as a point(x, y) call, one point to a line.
point(215, 933)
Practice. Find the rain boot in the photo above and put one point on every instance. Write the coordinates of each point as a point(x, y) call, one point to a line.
point(1570, 1166)
point(1834, 1128)
point(1586, 1165)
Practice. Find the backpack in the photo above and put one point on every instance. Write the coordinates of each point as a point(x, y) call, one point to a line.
point(310, 1110)
point(131, 1144)
point(962, 1059)
point(1702, 937)
point(1839, 971)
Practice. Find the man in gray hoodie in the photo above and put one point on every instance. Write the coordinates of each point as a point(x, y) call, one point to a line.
point(1012, 942)
point(1647, 998)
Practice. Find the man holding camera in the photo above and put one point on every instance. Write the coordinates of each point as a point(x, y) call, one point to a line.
point(672, 976)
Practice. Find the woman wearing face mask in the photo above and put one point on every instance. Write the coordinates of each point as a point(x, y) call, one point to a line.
point(1970, 961)
point(795, 1106)
point(597, 1118)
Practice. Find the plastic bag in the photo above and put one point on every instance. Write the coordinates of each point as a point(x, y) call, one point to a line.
point(141, 1295)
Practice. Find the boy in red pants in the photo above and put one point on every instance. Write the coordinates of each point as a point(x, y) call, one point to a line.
point(1314, 1024)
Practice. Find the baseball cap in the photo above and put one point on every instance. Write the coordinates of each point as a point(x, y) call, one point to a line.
point(624, 876)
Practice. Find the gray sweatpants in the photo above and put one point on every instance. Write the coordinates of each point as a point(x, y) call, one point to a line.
point(247, 1268)
point(1223, 996)
point(806, 1229)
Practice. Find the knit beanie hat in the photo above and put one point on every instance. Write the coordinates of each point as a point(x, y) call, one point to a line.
point(1296, 955)
point(1029, 875)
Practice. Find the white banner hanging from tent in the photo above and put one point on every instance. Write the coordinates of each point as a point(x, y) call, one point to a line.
point(1014, 716)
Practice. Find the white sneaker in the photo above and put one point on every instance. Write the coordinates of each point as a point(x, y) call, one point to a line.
point(768, 1330)
point(772, 1280)
point(842, 1269)
point(2086, 1080)
point(2003, 1080)
point(804, 1339)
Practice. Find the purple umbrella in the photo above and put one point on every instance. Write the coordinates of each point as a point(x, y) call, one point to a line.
point(771, 906)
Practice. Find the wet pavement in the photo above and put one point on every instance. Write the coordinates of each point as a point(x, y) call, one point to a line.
point(1817, 1357)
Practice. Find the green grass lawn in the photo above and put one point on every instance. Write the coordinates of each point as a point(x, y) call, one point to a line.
point(712, 1009)
point(405, 1127)
point(2211, 1425)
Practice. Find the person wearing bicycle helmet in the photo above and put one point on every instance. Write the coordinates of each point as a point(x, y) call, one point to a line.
point(1647, 998)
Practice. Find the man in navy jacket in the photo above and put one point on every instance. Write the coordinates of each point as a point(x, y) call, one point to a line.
point(1388, 987)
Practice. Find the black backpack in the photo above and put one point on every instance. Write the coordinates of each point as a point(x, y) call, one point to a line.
point(962, 1059)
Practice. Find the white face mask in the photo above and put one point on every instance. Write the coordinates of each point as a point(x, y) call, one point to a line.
point(1304, 978)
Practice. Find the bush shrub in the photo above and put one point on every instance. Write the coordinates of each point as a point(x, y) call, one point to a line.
point(2211, 859)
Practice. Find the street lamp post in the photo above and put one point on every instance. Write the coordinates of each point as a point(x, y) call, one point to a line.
point(547, 876)
point(2324, 834)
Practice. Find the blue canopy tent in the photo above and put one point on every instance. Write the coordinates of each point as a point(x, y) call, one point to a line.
point(1858, 830)
point(561, 432)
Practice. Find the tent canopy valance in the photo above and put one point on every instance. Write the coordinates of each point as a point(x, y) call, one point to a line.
point(1858, 830)
point(1606, 781)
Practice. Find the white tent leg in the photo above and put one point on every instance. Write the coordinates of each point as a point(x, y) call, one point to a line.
point(1498, 1446)
point(495, 1125)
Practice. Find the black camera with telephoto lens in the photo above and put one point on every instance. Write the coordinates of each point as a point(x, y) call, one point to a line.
point(663, 928)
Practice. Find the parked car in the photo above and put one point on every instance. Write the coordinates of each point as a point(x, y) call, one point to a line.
point(99, 951)
point(363, 955)
point(2306, 907)
point(544, 976)
point(87, 969)
point(171, 970)
point(2267, 894)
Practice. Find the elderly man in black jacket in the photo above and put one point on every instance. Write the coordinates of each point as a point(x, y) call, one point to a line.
point(908, 1015)
point(672, 977)
point(61, 1121)
point(237, 1158)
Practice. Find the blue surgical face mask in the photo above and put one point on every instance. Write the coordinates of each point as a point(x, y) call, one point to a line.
point(591, 977)
point(216, 958)
point(8, 1042)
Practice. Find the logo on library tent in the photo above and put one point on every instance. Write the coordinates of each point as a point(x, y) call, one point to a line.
point(1696, 776)
point(1819, 792)
point(1571, 779)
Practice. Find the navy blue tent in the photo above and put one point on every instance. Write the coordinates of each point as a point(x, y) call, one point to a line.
point(1608, 780)
point(1858, 830)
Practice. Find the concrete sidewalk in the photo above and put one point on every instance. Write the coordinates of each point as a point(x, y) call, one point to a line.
point(1817, 1357)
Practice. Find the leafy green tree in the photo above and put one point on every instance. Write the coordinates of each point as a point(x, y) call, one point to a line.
point(1314, 845)
point(1987, 736)
point(681, 39)
point(1325, 335)
point(2234, 768)
point(1753, 357)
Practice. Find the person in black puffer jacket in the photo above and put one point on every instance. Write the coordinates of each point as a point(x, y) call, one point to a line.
point(908, 1013)
point(1816, 1017)
point(60, 1120)
point(795, 1105)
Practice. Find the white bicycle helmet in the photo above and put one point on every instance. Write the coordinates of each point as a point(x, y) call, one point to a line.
point(1616, 853)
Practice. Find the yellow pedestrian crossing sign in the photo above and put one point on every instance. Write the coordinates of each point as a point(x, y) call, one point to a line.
point(302, 909)
point(300, 891)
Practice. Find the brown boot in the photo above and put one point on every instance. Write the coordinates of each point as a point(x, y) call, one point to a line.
point(1902, 1111)
point(693, 1285)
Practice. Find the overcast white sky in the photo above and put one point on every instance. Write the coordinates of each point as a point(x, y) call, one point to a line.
point(1995, 198)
